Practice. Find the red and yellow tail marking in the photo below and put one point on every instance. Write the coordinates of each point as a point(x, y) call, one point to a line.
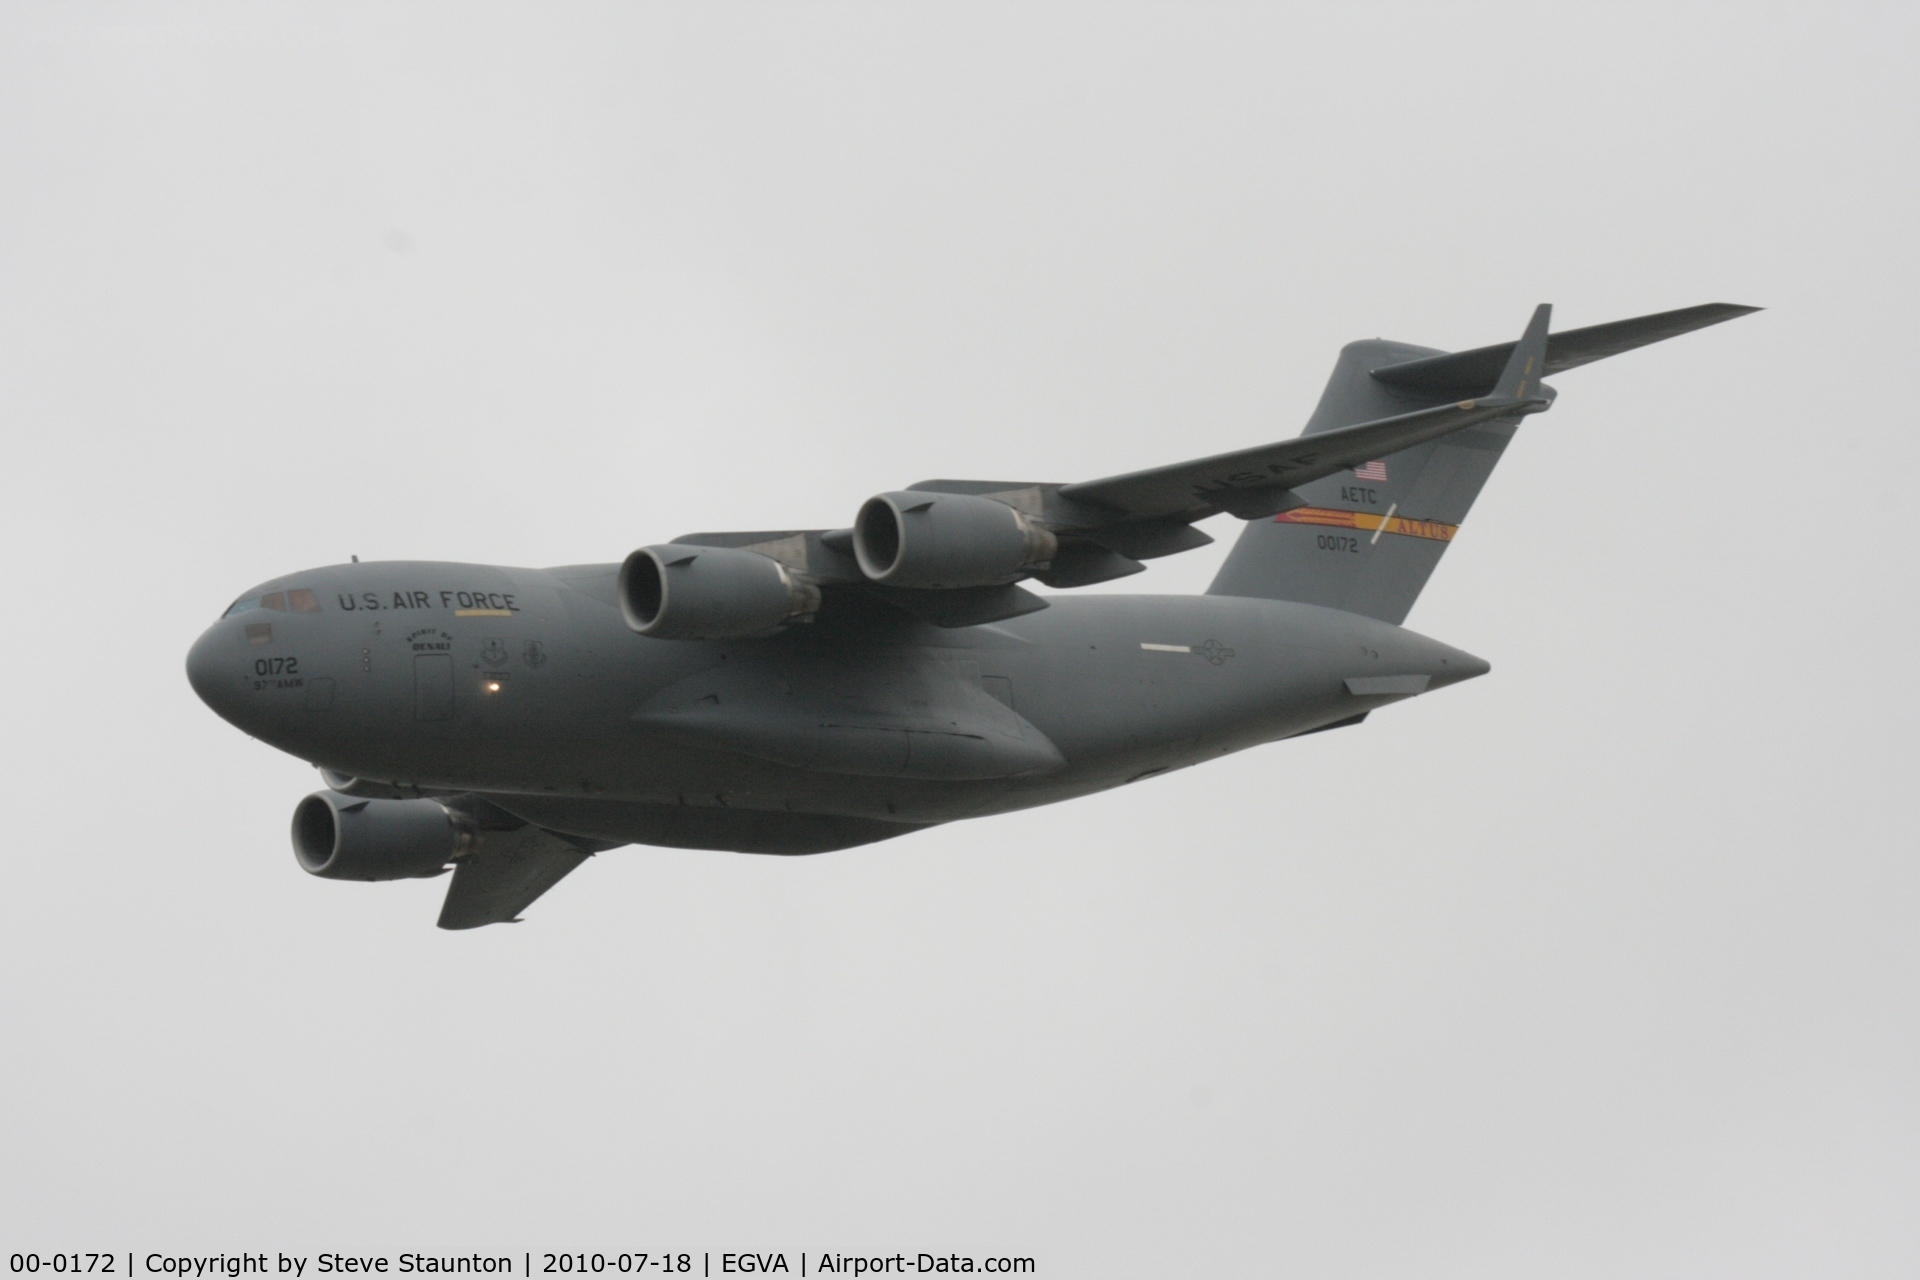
point(1369, 522)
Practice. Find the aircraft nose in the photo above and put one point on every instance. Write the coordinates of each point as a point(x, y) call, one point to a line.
point(212, 670)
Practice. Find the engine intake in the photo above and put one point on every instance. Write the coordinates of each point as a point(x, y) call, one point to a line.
point(680, 592)
point(916, 539)
point(341, 837)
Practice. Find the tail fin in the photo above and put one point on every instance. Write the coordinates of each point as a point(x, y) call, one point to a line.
point(1367, 540)
point(1527, 365)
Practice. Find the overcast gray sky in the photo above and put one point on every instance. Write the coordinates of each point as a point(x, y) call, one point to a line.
point(1603, 965)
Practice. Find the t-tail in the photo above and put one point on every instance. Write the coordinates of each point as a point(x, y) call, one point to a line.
point(1366, 540)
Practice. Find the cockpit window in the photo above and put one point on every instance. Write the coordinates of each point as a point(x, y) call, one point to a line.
point(297, 600)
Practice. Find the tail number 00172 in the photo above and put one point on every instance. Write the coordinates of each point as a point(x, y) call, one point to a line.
point(1337, 542)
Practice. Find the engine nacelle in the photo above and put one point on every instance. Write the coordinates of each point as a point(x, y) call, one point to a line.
point(341, 837)
point(681, 592)
point(916, 539)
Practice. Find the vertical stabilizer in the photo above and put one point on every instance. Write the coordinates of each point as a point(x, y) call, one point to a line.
point(1368, 539)
point(1528, 363)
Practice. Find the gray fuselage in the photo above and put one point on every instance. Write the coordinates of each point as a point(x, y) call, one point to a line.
point(527, 687)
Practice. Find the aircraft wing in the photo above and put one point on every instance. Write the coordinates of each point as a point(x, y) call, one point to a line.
point(1251, 483)
point(504, 873)
point(1496, 381)
point(1103, 529)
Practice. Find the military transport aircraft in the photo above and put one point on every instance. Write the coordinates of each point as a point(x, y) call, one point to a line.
point(805, 690)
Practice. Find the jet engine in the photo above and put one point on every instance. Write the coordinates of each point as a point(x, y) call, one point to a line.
point(683, 592)
point(916, 539)
point(342, 837)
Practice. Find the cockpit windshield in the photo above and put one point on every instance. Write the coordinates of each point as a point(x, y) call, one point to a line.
point(293, 600)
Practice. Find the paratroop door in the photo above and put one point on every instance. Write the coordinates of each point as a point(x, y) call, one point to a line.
point(433, 686)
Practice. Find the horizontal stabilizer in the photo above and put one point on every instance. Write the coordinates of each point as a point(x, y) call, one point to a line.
point(1474, 372)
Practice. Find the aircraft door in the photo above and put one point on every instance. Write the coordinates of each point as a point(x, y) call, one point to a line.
point(433, 686)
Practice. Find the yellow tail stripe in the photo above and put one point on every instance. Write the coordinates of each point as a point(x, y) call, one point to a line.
point(1331, 518)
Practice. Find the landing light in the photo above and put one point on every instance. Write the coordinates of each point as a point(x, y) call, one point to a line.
point(493, 686)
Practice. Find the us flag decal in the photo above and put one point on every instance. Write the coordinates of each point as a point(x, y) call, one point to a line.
point(1375, 471)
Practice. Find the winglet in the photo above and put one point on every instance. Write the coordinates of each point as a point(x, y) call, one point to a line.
point(1528, 363)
